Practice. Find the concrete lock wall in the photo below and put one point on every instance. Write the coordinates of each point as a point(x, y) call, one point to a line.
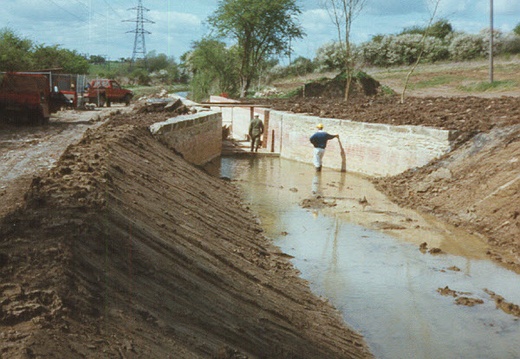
point(198, 137)
point(370, 149)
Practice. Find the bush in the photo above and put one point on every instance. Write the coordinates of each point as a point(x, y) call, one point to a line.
point(516, 30)
point(511, 44)
point(402, 50)
point(330, 57)
point(140, 77)
point(467, 47)
point(299, 67)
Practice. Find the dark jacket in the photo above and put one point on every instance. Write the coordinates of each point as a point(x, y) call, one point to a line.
point(256, 127)
point(320, 138)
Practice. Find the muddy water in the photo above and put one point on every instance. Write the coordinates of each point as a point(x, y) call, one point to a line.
point(362, 253)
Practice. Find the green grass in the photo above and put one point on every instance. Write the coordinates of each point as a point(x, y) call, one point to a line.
point(436, 81)
point(151, 90)
point(488, 86)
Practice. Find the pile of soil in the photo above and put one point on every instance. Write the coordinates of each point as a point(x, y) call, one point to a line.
point(125, 250)
point(477, 186)
point(465, 114)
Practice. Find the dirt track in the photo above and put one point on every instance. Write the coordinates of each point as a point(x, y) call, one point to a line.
point(125, 250)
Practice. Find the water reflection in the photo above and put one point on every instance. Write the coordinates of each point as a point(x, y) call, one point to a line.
point(316, 184)
point(385, 288)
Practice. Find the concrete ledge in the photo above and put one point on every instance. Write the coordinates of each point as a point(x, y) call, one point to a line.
point(197, 137)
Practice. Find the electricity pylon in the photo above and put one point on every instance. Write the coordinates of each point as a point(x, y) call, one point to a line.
point(139, 41)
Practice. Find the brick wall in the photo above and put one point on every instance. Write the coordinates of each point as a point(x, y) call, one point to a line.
point(198, 137)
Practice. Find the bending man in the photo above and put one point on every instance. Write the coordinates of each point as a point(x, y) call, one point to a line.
point(319, 141)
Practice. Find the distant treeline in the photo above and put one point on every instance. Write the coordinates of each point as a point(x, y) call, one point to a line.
point(436, 43)
point(21, 54)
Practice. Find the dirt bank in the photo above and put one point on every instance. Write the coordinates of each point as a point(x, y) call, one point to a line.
point(125, 250)
point(476, 187)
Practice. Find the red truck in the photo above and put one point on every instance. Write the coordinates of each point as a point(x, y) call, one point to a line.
point(27, 98)
point(101, 91)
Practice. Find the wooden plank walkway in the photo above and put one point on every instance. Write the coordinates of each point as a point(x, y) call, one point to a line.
point(243, 148)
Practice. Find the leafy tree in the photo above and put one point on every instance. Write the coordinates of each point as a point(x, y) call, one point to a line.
point(213, 69)
point(97, 59)
point(15, 52)
point(516, 30)
point(440, 29)
point(260, 28)
point(50, 57)
point(158, 62)
point(140, 77)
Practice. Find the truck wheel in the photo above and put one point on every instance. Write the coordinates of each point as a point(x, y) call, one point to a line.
point(109, 103)
point(100, 102)
point(126, 100)
point(36, 117)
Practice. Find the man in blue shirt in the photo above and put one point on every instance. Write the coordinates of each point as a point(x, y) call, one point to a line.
point(319, 141)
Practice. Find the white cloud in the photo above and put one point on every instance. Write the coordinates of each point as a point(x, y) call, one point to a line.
point(507, 7)
point(316, 20)
point(393, 7)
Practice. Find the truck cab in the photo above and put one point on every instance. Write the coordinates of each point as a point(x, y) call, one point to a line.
point(107, 91)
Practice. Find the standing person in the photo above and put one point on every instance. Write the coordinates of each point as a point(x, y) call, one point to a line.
point(319, 141)
point(256, 128)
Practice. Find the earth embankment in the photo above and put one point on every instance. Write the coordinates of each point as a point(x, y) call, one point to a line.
point(125, 250)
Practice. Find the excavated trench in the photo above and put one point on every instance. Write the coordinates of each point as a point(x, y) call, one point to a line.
point(415, 288)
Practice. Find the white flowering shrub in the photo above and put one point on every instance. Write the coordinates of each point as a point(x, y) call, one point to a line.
point(402, 50)
point(467, 46)
point(330, 57)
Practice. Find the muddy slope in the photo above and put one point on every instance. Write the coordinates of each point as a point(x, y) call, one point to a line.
point(476, 187)
point(125, 250)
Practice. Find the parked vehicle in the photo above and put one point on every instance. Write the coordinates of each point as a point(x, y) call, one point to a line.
point(106, 91)
point(27, 98)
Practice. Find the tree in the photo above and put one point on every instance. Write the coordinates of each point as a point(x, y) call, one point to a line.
point(440, 29)
point(15, 52)
point(97, 59)
point(213, 69)
point(260, 28)
point(516, 30)
point(49, 57)
point(343, 13)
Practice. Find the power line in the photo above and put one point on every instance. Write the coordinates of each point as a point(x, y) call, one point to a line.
point(111, 8)
point(140, 32)
point(66, 10)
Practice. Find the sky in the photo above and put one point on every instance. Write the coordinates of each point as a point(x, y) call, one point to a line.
point(107, 27)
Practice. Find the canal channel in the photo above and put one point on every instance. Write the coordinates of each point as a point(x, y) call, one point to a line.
point(414, 287)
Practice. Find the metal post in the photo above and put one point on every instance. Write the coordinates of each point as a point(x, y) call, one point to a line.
point(491, 41)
